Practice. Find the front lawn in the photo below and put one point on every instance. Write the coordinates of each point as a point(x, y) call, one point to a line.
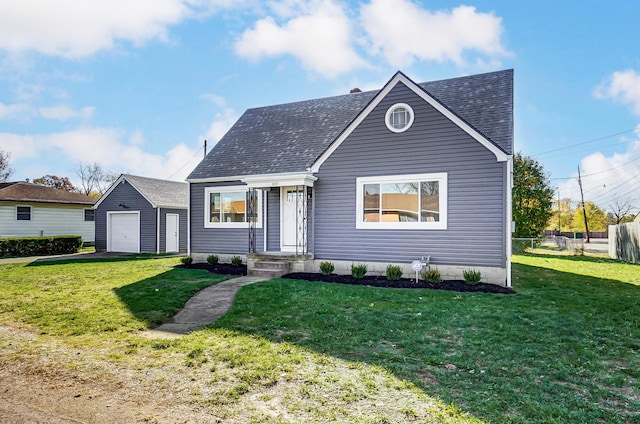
point(565, 348)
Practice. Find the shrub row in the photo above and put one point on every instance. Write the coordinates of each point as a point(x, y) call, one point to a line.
point(36, 246)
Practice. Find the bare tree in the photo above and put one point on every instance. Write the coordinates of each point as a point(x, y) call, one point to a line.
point(94, 180)
point(620, 210)
point(5, 169)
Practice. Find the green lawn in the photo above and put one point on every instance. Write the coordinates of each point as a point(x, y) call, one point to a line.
point(565, 348)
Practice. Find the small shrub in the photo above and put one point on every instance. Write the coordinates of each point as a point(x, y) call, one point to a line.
point(431, 275)
point(358, 271)
point(326, 268)
point(212, 260)
point(394, 272)
point(471, 276)
point(187, 260)
point(236, 260)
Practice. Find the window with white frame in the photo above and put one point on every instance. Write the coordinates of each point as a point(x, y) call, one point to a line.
point(416, 201)
point(399, 117)
point(23, 213)
point(226, 207)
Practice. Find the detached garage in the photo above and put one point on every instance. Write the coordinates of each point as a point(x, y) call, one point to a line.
point(139, 214)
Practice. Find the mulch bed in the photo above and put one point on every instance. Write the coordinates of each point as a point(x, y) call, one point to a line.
point(404, 283)
point(223, 269)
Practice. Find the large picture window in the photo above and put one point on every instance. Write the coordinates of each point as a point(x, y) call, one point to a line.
point(402, 202)
point(226, 207)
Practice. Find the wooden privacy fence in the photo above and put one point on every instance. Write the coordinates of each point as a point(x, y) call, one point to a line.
point(624, 242)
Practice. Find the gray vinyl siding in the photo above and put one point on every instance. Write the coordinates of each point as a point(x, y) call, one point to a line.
point(182, 228)
point(134, 201)
point(476, 187)
point(273, 220)
point(217, 240)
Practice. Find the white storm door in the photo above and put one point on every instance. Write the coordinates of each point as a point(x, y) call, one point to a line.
point(124, 232)
point(172, 221)
point(288, 233)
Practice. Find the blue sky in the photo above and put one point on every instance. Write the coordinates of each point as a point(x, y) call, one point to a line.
point(137, 86)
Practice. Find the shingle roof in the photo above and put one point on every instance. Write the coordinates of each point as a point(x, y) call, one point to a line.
point(290, 137)
point(27, 192)
point(161, 192)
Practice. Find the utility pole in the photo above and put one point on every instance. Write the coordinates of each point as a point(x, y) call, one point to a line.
point(584, 209)
point(559, 225)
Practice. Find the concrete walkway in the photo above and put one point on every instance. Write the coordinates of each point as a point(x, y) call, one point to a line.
point(204, 308)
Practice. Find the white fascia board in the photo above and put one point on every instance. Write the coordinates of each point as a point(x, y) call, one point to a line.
point(397, 78)
point(265, 180)
point(123, 177)
point(108, 192)
point(280, 180)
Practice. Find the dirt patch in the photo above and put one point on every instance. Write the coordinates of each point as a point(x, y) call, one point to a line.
point(404, 283)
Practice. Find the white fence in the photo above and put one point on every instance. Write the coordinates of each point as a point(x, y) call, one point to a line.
point(624, 242)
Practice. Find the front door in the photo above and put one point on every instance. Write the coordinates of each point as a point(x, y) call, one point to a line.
point(290, 198)
point(172, 232)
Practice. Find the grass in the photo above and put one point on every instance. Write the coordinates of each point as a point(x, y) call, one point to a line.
point(564, 349)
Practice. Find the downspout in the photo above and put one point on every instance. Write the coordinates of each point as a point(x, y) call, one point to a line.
point(509, 217)
point(189, 221)
point(158, 232)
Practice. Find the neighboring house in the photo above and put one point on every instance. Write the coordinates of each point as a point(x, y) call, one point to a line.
point(31, 210)
point(379, 177)
point(139, 214)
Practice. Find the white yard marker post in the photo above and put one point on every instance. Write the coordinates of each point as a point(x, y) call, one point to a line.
point(417, 267)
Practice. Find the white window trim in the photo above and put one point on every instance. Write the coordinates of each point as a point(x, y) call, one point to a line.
point(441, 177)
point(387, 117)
point(30, 213)
point(226, 189)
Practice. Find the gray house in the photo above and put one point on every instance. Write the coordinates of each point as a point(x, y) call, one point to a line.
point(380, 177)
point(139, 214)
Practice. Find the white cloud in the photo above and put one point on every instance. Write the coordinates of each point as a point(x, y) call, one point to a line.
point(15, 111)
point(624, 87)
point(113, 149)
point(220, 125)
point(402, 32)
point(607, 178)
point(320, 37)
point(63, 112)
point(79, 28)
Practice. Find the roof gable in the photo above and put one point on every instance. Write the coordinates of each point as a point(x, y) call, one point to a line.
point(159, 193)
point(295, 137)
point(28, 192)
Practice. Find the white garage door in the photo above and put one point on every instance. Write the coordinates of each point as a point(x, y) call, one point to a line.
point(124, 232)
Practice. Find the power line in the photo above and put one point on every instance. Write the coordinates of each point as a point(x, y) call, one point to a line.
point(586, 142)
point(187, 163)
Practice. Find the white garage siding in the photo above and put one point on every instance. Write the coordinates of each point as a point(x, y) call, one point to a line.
point(46, 220)
point(123, 232)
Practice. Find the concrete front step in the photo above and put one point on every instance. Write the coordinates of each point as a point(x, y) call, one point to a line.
point(276, 265)
point(271, 268)
point(270, 273)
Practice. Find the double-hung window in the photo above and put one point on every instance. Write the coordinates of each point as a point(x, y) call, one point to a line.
point(402, 202)
point(227, 207)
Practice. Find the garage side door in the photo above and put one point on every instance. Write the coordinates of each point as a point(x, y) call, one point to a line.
point(124, 232)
